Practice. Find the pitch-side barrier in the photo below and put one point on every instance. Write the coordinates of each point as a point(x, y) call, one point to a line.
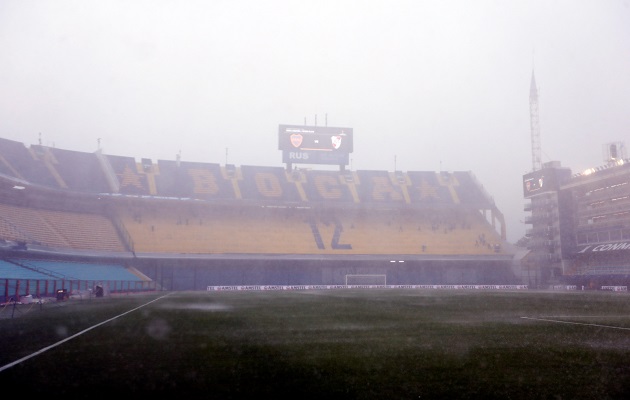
point(331, 287)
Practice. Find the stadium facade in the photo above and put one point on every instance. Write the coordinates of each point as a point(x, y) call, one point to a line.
point(189, 225)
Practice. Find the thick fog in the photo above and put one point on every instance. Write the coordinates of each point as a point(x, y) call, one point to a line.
point(426, 85)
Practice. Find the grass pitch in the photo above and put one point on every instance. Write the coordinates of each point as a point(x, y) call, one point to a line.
point(344, 343)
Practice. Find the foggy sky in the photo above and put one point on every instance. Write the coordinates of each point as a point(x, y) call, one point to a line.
point(426, 85)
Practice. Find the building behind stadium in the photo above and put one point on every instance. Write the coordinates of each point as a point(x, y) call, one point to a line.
point(580, 222)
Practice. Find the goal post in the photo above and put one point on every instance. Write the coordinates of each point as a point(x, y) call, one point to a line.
point(353, 280)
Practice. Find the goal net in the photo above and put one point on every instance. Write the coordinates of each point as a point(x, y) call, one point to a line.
point(352, 280)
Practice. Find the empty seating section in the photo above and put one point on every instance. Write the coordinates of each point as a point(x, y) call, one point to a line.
point(430, 188)
point(263, 230)
point(85, 231)
point(207, 230)
point(11, 270)
point(327, 186)
point(267, 184)
point(18, 161)
point(377, 187)
point(469, 191)
point(131, 181)
point(80, 171)
point(192, 180)
point(78, 270)
point(32, 226)
point(200, 208)
point(42, 278)
point(436, 232)
point(10, 232)
point(61, 229)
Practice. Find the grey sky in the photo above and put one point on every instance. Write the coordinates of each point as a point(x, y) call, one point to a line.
point(426, 85)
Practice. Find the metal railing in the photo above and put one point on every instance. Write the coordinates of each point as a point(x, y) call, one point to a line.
point(14, 289)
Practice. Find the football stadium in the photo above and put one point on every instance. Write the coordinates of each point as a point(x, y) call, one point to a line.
point(238, 281)
point(137, 261)
point(72, 220)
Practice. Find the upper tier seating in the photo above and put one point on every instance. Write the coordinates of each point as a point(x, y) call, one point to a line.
point(19, 162)
point(97, 173)
point(75, 170)
point(192, 180)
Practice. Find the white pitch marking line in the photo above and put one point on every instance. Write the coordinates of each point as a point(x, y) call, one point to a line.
point(577, 323)
point(74, 336)
point(583, 316)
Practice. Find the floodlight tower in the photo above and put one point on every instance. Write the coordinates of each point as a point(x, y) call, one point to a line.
point(535, 127)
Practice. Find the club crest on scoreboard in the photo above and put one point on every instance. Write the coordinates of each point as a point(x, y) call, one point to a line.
point(336, 141)
point(296, 139)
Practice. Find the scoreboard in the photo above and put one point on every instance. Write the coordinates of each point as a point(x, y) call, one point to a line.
point(534, 183)
point(544, 180)
point(315, 144)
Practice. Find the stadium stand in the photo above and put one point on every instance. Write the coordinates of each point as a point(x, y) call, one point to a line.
point(132, 179)
point(329, 187)
point(62, 163)
point(78, 270)
point(24, 164)
point(469, 190)
point(182, 179)
point(60, 229)
point(379, 187)
point(274, 230)
point(268, 184)
point(13, 270)
point(431, 188)
point(207, 230)
point(188, 224)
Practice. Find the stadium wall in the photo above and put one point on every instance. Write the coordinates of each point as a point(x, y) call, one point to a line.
point(183, 274)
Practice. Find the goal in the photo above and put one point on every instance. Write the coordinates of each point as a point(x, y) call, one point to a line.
point(352, 280)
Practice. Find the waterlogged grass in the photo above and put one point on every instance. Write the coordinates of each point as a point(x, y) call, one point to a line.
point(355, 344)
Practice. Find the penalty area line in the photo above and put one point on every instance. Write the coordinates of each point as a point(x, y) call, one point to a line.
point(576, 323)
point(7, 366)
